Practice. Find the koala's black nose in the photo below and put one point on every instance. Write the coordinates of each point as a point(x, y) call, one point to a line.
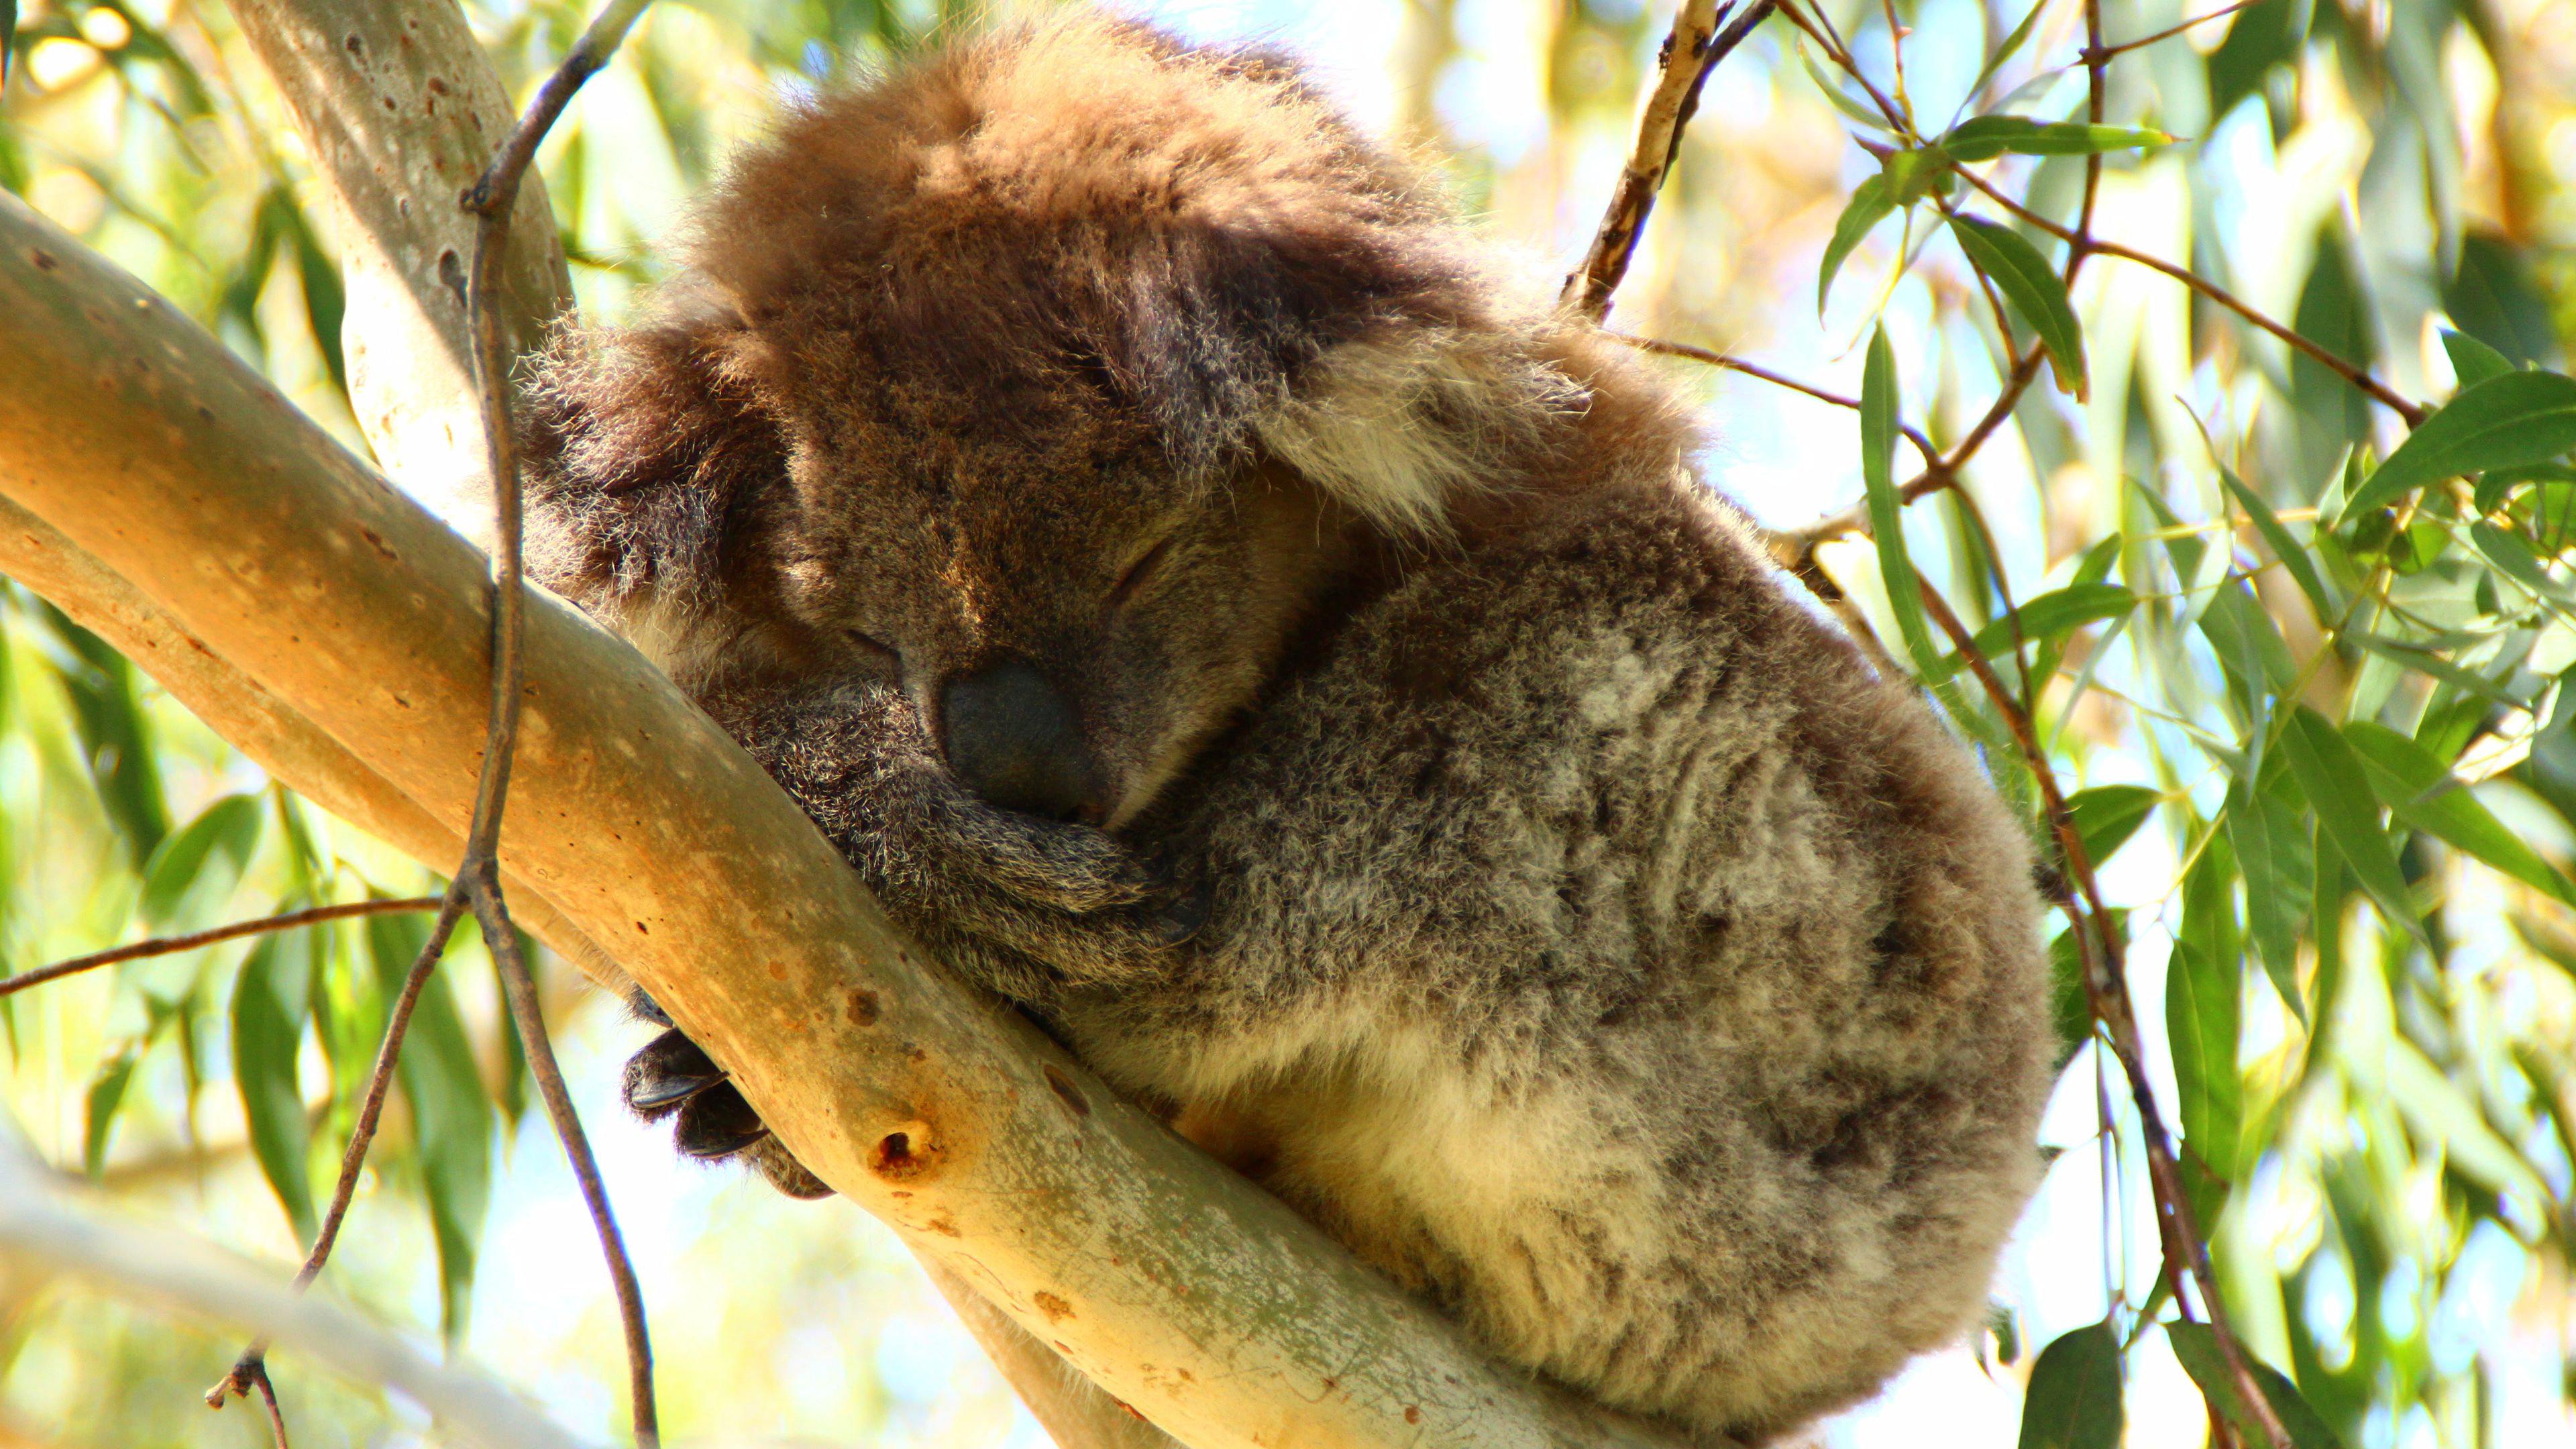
point(1014, 739)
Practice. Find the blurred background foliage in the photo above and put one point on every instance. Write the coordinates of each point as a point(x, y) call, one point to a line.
point(2321, 752)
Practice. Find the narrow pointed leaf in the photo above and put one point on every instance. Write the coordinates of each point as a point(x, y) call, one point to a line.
point(2422, 794)
point(1868, 207)
point(2294, 558)
point(98, 1109)
point(1843, 100)
point(2011, 46)
point(2278, 863)
point(2034, 289)
point(2508, 421)
point(2195, 1345)
point(271, 997)
point(1986, 137)
point(2347, 812)
point(2051, 616)
point(2107, 815)
point(451, 1112)
point(2074, 1397)
point(2203, 989)
point(1886, 510)
point(202, 861)
point(2473, 361)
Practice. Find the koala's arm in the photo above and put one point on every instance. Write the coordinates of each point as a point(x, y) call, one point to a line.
point(1024, 906)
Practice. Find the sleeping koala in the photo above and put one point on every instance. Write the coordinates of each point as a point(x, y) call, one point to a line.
point(1216, 608)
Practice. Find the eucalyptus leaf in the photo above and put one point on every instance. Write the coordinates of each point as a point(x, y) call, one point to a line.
point(202, 862)
point(451, 1111)
point(1986, 137)
point(2074, 1397)
point(2050, 616)
point(2347, 813)
point(98, 1108)
point(1868, 207)
point(2473, 361)
point(2107, 815)
point(2195, 1345)
point(2507, 421)
point(271, 1001)
point(2034, 289)
point(1886, 510)
point(2422, 794)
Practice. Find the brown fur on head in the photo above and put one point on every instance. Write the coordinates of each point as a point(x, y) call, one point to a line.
point(1073, 345)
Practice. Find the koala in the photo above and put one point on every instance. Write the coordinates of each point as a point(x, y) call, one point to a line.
point(1219, 605)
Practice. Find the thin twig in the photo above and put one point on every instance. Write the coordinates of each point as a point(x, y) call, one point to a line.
point(2104, 54)
point(2359, 377)
point(2106, 983)
point(251, 1368)
point(527, 1014)
point(491, 200)
point(1690, 54)
point(1911, 433)
point(268, 1400)
point(168, 945)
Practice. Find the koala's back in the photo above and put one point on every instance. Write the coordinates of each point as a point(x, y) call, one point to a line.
point(1601, 950)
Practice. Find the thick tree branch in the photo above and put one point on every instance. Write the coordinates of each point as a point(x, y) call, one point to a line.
point(157, 1263)
point(1180, 1288)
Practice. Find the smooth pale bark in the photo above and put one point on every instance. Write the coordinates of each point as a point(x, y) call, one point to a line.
point(400, 112)
point(1176, 1285)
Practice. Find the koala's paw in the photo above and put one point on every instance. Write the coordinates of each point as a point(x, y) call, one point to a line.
point(673, 1078)
point(1063, 902)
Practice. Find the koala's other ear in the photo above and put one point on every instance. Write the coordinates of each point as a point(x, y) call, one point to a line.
point(645, 448)
point(1358, 344)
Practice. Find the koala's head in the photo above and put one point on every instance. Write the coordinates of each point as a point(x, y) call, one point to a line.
point(1054, 377)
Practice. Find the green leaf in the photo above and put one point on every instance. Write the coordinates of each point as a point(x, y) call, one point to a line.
point(2425, 661)
point(98, 1110)
point(2070, 1006)
point(2202, 995)
point(2472, 360)
point(2514, 558)
point(2273, 854)
point(451, 1112)
point(2511, 421)
point(1886, 510)
point(2074, 1397)
point(2003, 54)
point(2294, 559)
point(2107, 815)
point(203, 861)
point(116, 735)
point(2347, 812)
point(2034, 289)
point(2052, 615)
point(1986, 137)
point(2196, 1346)
point(1844, 101)
point(1868, 207)
point(2424, 796)
point(271, 997)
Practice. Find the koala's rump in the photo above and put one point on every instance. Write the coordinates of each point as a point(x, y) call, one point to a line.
point(1598, 950)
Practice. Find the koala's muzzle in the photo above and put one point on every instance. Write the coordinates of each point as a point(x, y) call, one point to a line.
point(1013, 738)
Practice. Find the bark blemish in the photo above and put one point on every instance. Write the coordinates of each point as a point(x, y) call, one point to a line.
point(1054, 1308)
point(863, 1007)
point(1065, 1089)
point(902, 1153)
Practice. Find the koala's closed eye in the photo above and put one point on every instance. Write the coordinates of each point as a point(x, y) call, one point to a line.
point(871, 648)
point(1138, 572)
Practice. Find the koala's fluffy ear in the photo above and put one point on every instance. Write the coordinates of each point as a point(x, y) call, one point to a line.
point(1365, 359)
point(645, 449)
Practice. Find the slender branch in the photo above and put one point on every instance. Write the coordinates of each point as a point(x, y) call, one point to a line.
point(528, 1015)
point(2359, 377)
point(168, 945)
point(252, 1367)
point(1691, 52)
point(2097, 53)
point(2106, 984)
point(1911, 433)
point(491, 200)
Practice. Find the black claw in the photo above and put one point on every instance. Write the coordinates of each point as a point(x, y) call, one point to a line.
point(646, 1009)
point(670, 1070)
point(717, 1123)
point(1182, 919)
